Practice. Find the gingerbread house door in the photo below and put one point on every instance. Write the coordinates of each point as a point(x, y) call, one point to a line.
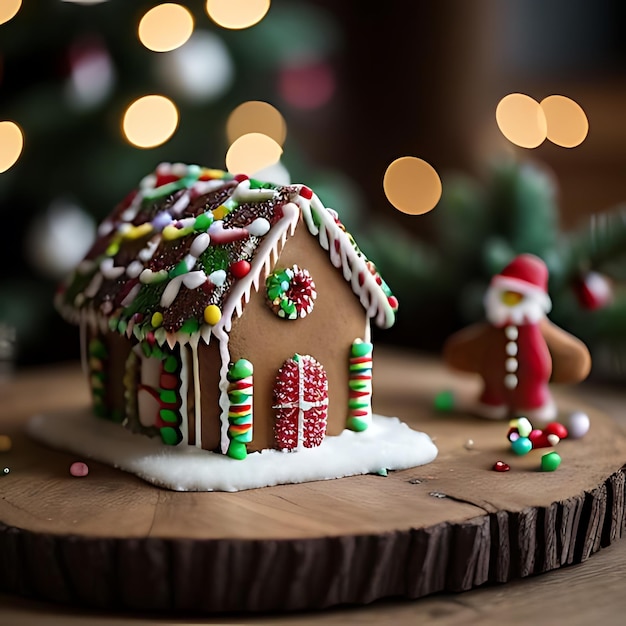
point(300, 403)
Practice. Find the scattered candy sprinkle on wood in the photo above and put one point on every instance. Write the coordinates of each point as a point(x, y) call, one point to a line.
point(79, 469)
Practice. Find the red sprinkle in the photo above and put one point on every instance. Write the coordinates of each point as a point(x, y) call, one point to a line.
point(306, 193)
point(241, 177)
point(393, 302)
point(501, 466)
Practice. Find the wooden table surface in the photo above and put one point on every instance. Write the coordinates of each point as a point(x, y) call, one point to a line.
point(576, 594)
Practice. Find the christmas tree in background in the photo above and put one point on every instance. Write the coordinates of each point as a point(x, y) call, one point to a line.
point(68, 73)
point(479, 226)
point(70, 70)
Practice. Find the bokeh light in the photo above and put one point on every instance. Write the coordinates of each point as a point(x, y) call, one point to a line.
point(92, 73)
point(150, 121)
point(59, 238)
point(199, 71)
point(256, 116)
point(412, 185)
point(252, 153)
point(9, 9)
point(165, 27)
point(567, 123)
point(11, 144)
point(237, 14)
point(307, 85)
point(522, 120)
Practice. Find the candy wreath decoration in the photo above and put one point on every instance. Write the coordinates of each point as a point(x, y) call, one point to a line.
point(291, 292)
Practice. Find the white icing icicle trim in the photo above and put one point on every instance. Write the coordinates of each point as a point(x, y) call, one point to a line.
point(266, 256)
point(224, 399)
point(348, 259)
point(197, 407)
point(183, 383)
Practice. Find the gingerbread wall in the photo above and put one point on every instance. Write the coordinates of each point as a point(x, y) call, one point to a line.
point(326, 334)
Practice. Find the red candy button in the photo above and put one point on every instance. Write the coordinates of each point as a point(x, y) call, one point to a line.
point(239, 269)
point(501, 466)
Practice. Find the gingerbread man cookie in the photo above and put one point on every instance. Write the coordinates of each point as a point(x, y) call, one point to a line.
point(518, 351)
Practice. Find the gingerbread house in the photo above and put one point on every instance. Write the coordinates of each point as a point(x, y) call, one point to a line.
point(226, 313)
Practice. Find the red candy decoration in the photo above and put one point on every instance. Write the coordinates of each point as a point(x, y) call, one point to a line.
point(555, 428)
point(539, 439)
point(239, 269)
point(300, 399)
point(593, 291)
point(393, 302)
point(241, 177)
point(306, 193)
point(501, 466)
point(164, 179)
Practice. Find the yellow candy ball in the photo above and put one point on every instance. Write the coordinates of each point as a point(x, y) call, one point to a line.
point(5, 443)
point(212, 314)
point(157, 319)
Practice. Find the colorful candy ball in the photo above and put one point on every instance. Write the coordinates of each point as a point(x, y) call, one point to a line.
point(522, 445)
point(555, 428)
point(578, 424)
point(501, 466)
point(513, 434)
point(550, 461)
point(79, 469)
point(444, 401)
point(524, 427)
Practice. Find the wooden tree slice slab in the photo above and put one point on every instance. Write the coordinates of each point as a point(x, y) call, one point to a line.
point(111, 541)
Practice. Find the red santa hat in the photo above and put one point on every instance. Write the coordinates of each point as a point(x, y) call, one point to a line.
point(526, 274)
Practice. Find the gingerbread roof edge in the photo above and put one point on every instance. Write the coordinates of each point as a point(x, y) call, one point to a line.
point(180, 255)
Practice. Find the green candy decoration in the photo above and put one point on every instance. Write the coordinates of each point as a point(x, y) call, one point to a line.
point(360, 386)
point(550, 462)
point(240, 369)
point(444, 401)
point(356, 424)
point(170, 436)
point(237, 450)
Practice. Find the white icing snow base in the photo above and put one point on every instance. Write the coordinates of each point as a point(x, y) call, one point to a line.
point(387, 444)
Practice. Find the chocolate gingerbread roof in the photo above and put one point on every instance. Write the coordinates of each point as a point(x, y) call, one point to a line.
point(179, 256)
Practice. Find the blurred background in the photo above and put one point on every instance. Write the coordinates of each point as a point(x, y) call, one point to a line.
point(352, 88)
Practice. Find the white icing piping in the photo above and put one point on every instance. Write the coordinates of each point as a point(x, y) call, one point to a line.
point(367, 334)
point(224, 401)
point(183, 387)
point(197, 407)
point(370, 294)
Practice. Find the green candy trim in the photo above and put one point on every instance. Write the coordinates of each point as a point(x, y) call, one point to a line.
point(241, 369)
point(170, 436)
point(168, 396)
point(167, 415)
point(356, 424)
point(237, 450)
point(361, 348)
point(171, 364)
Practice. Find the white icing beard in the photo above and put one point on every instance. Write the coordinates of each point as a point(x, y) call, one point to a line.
point(529, 310)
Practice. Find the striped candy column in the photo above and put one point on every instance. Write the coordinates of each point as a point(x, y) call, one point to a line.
point(240, 392)
point(360, 383)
